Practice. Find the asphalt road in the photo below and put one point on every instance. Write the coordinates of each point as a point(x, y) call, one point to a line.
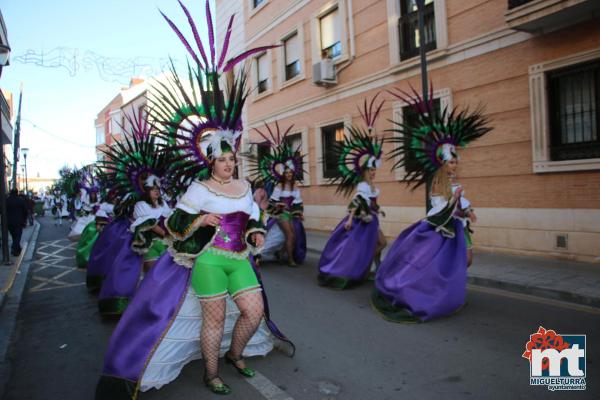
point(344, 349)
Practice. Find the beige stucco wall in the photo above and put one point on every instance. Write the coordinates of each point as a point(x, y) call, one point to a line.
point(483, 63)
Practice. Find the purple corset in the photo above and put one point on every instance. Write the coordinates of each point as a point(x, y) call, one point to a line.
point(231, 231)
point(374, 207)
point(289, 200)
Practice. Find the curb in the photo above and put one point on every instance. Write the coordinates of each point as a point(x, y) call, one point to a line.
point(10, 303)
point(536, 291)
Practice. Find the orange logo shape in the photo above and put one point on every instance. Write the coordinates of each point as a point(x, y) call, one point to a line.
point(544, 339)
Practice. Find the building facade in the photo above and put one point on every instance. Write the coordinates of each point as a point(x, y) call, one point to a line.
point(534, 65)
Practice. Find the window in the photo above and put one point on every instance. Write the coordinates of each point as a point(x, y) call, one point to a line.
point(292, 48)
point(295, 142)
point(408, 27)
point(262, 73)
point(256, 3)
point(574, 115)
point(262, 149)
point(331, 34)
point(100, 139)
point(107, 124)
point(330, 135)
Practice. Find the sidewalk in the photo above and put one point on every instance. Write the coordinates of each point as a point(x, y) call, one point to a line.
point(13, 278)
point(8, 273)
point(564, 280)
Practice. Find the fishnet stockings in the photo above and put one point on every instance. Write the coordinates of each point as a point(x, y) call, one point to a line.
point(251, 309)
point(213, 319)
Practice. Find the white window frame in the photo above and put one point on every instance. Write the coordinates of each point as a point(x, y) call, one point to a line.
point(445, 96)
point(253, 10)
point(100, 136)
point(316, 31)
point(298, 30)
point(540, 120)
point(115, 120)
point(347, 121)
point(258, 96)
point(441, 29)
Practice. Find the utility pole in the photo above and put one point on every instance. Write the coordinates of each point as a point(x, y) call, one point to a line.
point(16, 141)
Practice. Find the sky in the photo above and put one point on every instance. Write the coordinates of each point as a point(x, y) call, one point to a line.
point(99, 42)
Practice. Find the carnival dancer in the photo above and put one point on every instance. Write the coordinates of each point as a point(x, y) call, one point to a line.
point(180, 312)
point(90, 203)
point(424, 274)
point(357, 241)
point(57, 207)
point(137, 169)
point(282, 168)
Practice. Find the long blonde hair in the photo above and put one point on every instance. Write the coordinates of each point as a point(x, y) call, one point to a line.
point(441, 184)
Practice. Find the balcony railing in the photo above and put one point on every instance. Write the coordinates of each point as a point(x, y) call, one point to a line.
point(408, 27)
point(516, 3)
point(540, 16)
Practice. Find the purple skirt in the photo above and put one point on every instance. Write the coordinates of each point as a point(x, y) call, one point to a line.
point(121, 278)
point(104, 251)
point(347, 256)
point(423, 276)
point(300, 245)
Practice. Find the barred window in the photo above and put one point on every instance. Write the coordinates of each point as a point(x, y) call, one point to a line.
point(574, 94)
point(408, 27)
point(330, 135)
point(295, 142)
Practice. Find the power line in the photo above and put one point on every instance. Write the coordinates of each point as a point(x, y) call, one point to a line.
point(54, 135)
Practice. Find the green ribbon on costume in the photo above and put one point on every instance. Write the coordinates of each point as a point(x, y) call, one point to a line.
point(188, 236)
point(443, 221)
point(86, 242)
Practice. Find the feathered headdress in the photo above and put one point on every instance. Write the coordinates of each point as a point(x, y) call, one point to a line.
point(359, 151)
point(200, 122)
point(88, 180)
point(135, 164)
point(69, 182)
point(424, 145)
point(270, 168)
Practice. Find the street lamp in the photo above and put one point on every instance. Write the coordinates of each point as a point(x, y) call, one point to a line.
point(24, 152)
point(4, 60)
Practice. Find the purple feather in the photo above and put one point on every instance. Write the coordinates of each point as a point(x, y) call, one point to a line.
point(183, 40)
point(195, 32)
point(261, 134)
point(235, 60)
point(211, 34)
point(226, 43)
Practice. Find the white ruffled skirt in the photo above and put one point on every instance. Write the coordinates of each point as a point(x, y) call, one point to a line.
point(78, 227)
point(181, 344)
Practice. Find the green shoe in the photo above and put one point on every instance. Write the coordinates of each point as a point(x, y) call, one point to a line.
point(216, 385)
point(247, 372)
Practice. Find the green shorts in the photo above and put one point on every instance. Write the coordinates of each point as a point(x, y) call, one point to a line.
point(468, 238)
point(285, 216)
point(156, 250)
point(214, 275)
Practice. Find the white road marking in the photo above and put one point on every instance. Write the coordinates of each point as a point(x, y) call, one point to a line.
point(266, 388)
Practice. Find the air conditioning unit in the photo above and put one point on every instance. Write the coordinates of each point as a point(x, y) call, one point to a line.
point(324, 73)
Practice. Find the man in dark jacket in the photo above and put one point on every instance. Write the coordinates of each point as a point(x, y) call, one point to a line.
point(16, 210)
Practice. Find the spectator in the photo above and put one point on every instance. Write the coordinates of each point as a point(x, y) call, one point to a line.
point(16, 210)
